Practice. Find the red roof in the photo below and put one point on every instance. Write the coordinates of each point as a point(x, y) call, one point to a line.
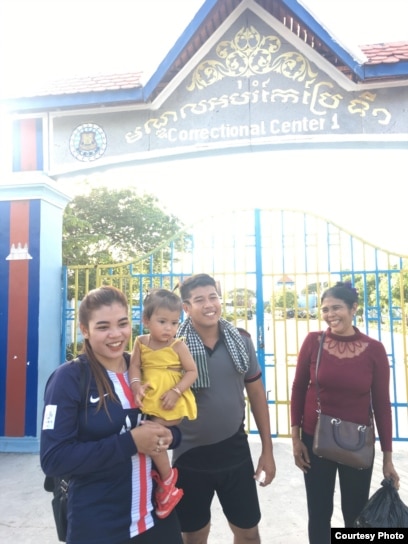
point(285, 279)
point(380, 53)
point(376, 54)
point(207, 21)
point(85, 84)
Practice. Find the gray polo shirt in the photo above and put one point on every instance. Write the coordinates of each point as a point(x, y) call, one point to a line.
point(220, 407)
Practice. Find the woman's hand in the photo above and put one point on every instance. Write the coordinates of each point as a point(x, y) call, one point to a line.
point(388, 469)
point(301, 455)
point(390, 473)
point(151, 438)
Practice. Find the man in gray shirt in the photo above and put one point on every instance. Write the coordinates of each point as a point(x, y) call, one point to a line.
point(214, 454)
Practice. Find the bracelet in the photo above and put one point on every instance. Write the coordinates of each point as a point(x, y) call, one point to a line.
point(177, 390)
point(134, 380)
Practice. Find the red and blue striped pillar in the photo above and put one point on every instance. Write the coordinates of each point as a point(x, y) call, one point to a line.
point(28, 152)
point(16, 421)
point(31, 210)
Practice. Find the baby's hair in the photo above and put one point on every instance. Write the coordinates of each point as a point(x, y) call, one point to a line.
point(344, 291)
point(161, 298)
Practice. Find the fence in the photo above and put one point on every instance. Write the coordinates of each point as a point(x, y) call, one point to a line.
point(271, 267)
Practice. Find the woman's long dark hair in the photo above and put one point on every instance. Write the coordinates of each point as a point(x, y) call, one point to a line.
point(102, 296)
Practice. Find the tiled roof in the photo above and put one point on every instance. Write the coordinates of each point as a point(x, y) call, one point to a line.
point(290, 14)
point(85, 84)
point(380, 53)
point(376, 54)
point(285, 279)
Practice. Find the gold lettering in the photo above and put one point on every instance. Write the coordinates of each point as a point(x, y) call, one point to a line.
point(320, 99)
point(294, 66)
point(135, 136)
point(248, 53)
point(366, 95)
point(149, 122)
point(358, 107)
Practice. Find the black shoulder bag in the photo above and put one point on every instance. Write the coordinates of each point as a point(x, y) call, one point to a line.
point(342, 441)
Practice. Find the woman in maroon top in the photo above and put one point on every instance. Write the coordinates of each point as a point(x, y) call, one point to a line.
point(353, 368)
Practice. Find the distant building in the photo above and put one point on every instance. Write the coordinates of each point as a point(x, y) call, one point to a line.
point(286, 281)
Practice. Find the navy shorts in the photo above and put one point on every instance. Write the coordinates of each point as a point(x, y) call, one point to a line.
point(236, 491)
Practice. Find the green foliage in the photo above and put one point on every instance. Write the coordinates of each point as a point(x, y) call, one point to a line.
point(285, 299)
point(241, 297)
point(72, 350)
point(107, 226)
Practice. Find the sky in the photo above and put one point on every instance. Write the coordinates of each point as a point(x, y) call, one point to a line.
point(48, 39)
point(361, 22)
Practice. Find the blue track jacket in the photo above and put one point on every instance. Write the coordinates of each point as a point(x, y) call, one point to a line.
point(110, 494)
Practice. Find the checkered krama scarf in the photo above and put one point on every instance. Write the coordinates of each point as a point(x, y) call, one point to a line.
point(233, 342)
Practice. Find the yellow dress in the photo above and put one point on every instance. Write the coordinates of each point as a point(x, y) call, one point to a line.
point(155, 365)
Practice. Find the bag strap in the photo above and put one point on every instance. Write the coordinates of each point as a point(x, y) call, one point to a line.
point(319, 356)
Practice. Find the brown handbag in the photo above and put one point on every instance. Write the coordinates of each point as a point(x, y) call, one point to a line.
point(342, 441)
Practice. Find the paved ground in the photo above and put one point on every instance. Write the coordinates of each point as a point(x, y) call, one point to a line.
point(26, 518)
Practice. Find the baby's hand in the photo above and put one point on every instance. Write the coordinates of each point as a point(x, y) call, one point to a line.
point(169, 399)
point(139, 392)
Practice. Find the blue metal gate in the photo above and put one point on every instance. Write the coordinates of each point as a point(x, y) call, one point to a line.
point(272, 266)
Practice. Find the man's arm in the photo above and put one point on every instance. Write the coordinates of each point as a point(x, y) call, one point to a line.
point(260, 411)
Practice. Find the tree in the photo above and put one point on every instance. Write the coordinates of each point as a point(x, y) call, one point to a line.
point(284, 299)
point(107, 226)
point(241, 297)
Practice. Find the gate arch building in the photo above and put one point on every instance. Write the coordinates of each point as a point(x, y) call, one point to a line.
point(260, 79)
